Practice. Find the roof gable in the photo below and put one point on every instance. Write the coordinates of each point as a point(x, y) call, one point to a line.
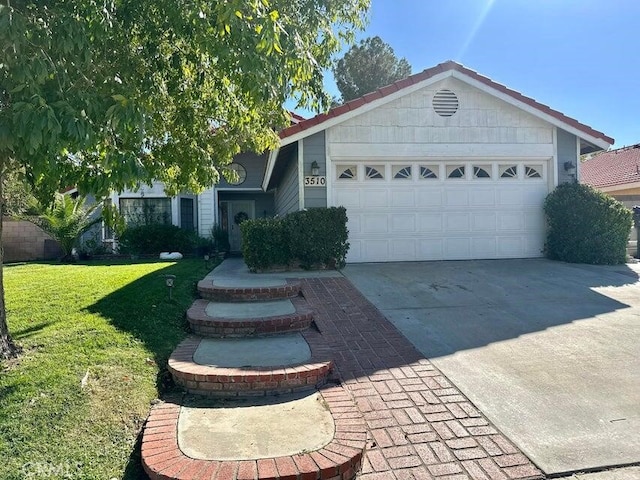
point(431, 75)
point(475, 111)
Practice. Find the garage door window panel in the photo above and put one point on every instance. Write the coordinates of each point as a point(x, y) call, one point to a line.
point(429, 172)
point(508, 171)
point(374, 172)
point(347, 172)
point(533, 171)
point(482, 172)
point(455, 171)
point(402, 172)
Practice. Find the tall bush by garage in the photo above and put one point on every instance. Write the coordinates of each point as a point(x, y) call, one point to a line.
point(318, 236)
point(586, 226)
point(314, 238)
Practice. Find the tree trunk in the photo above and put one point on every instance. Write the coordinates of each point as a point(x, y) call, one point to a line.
point(8, 349)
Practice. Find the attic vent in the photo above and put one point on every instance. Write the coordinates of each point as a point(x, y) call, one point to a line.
point(445, 103)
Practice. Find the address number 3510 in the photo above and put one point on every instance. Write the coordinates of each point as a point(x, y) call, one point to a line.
point(315, 181)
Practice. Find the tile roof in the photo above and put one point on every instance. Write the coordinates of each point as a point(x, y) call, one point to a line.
point(612, 168)
point(426, 74)
point(295, 117)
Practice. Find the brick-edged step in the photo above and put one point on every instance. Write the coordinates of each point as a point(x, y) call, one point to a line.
point(251, 381)
point(219, 326)
point(340, 459)
point(242, 291)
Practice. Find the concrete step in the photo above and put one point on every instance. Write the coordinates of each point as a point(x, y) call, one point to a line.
point(247, 289)
point(233, 319)
point(251, 366)
point(318, 436)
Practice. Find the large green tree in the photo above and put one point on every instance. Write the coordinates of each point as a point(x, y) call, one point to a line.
point(105, 94)
point(368, 66)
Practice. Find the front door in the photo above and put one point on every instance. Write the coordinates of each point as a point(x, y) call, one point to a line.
point(236, 211)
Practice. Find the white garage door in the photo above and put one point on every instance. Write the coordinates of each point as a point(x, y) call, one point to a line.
point(442, 210)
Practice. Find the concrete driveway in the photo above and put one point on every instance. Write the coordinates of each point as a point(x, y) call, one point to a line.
point(550, 352)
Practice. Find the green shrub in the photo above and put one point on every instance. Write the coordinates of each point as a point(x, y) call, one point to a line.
point(220, 238)
point(264, 243)
point(311, 238)
point(318, 236)
point(586, 226)
point(204, 246)
point(155, 238)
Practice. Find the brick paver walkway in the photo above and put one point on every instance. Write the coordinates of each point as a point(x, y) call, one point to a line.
point(420, 425)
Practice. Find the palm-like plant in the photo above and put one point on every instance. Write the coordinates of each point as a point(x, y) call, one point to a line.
point(66, 220)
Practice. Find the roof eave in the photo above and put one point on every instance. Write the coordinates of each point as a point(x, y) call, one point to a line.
point(601, 143)
point(432, 75)
point(271, 162)
point(325, 121)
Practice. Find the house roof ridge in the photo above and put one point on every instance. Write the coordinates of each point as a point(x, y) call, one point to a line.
point(624, 148)
point(448, 65)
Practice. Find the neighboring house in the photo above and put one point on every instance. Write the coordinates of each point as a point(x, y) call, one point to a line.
point(445, 164)
point(617, 173)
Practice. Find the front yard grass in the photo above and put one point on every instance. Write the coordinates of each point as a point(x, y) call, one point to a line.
point(96, 339)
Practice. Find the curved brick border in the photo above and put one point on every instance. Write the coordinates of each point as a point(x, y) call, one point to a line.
point(208, 290)
point(162, 458)
point(251, 381)
point(206, 326)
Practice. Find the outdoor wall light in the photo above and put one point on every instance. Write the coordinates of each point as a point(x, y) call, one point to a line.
point(315, 169)
point(569, 167)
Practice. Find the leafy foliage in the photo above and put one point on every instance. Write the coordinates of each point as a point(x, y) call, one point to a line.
point(265, 243)
point(318, 236)
point(66, 220)
point(155, 238)
point(220, 238)
point(104, 95)
point(370, 65)
point(108, 95)
point(311, 238)
point(17, 197)
point(586, 226)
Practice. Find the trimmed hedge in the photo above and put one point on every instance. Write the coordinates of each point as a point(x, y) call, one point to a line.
point(264, 243)
point(314, 238)
point(155, 238)
point(586, 226)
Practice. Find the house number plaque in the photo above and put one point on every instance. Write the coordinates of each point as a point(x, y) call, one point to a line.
point(317, 181)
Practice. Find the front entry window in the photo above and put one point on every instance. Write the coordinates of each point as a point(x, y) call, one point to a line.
point(187, 220)
point(146, 211)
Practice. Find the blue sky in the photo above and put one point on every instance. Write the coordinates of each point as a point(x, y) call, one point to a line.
point(581, 57)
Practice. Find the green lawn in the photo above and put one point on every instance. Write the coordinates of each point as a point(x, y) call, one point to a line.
point(114, 321)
